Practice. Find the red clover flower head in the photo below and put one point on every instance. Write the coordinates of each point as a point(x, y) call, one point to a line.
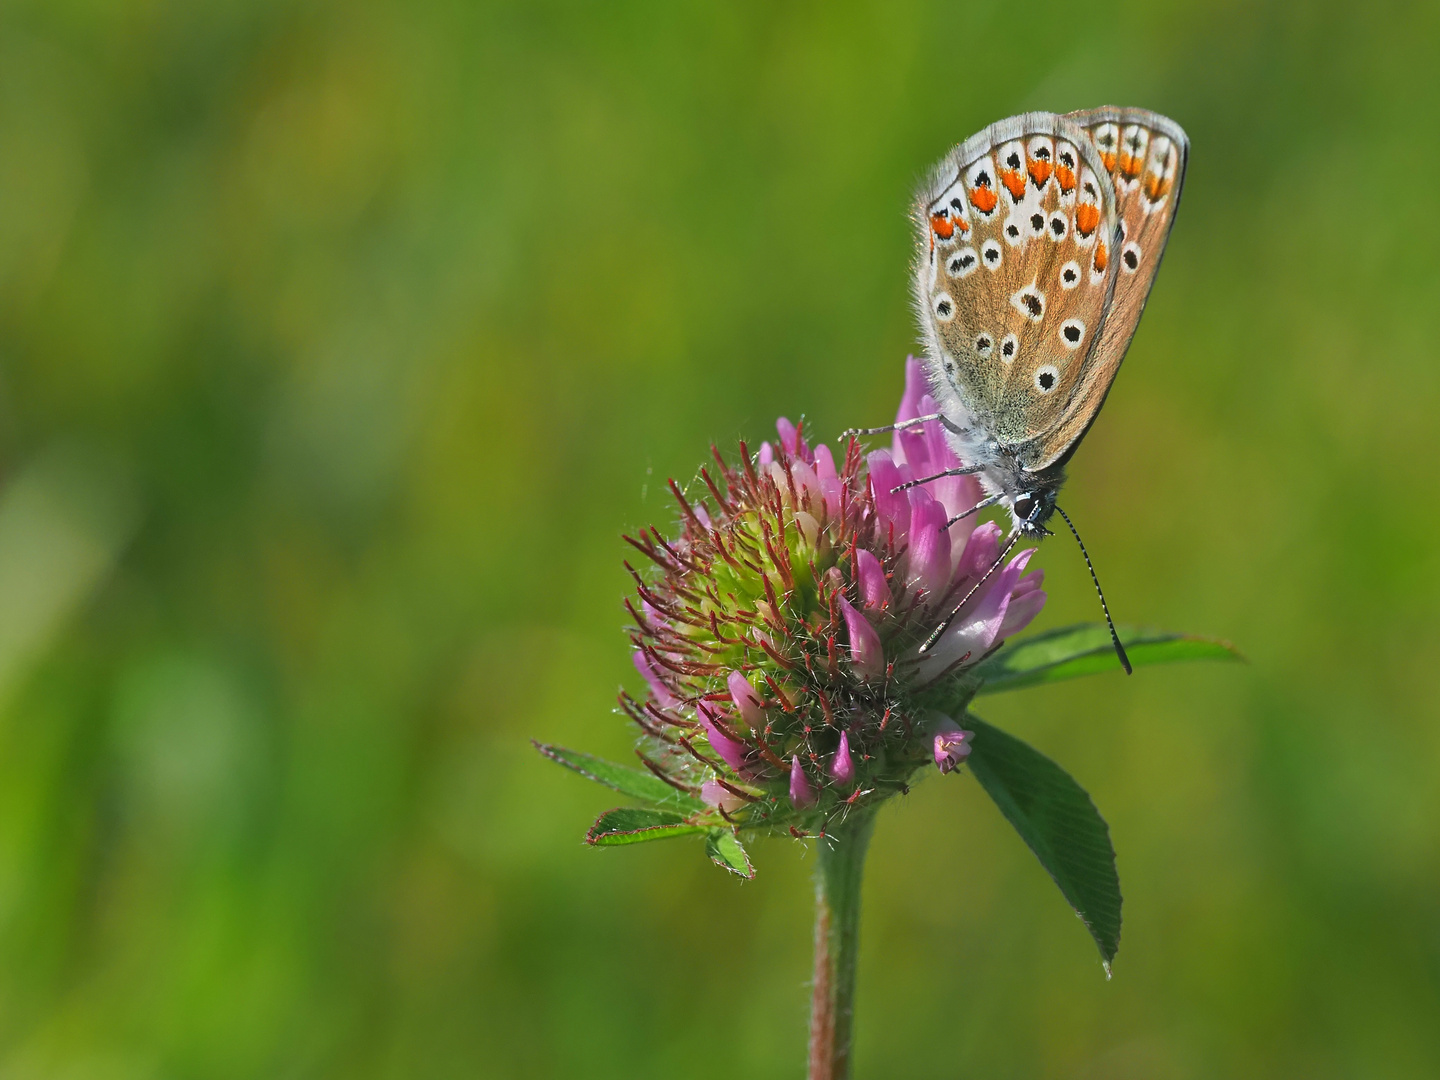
point(779, 632)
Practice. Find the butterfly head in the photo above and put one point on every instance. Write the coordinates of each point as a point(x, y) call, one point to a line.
point(1031, 508)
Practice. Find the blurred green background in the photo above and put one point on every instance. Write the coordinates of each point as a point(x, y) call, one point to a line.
point(340, 342)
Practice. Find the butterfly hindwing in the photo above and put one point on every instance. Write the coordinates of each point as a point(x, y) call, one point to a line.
point(1015, 272)
point(1144, 155)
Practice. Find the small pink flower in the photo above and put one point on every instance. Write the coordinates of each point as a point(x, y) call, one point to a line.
point(713, 793)
point(663, 697)
point(892, 506)
point(874, 590)
point(747, 702)
point(952, 744)
point(731, 751)
point(842, 768)
point(867, 655)
point(801, 793)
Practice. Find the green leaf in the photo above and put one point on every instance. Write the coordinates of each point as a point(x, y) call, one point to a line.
point(1056, 818)
point(1087, 649)
point(636, 824)
point(725, 849)
point(636, 783)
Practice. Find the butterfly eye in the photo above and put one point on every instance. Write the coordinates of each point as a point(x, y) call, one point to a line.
point(1024, 507)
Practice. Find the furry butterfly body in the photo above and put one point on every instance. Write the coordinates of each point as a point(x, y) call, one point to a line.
point(1039, 240)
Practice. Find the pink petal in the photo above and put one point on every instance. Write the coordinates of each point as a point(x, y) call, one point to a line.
point(908, 444)
point(937, 447)
point(731, 751)
point(713, 793)
point(892, 505)
point(658, 690)
point(1028, 584)
point(747, 702)
point(801, 793)
point(829, 480)
point(981, 551)
point(807, 486)
point(788, 435)
point(916, 387)
point(874, 589)
point(952, 744)
point(842, 768)
point(1022, 609)
point(766, 455)
point(927, 563)
point(975, 629)
point(867, 656)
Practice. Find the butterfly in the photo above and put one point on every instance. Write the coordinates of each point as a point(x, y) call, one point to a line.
point(1039, 240)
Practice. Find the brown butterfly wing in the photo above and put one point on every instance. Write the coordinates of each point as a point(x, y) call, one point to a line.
point(1015, 272)
point(1145, 155)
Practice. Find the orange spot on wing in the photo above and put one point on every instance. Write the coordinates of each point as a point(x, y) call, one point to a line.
point(983, 199)
point(1087, 218)
point(1156, 187)
point(942, 227)
point(1102, 257)
point(1066, 176)
point(1108, 157)
point(1130, 165)
point(1014, 181)
point(1040, 171)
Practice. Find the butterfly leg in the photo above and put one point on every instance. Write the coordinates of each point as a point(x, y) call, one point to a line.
point(902, 425)
point(964, 470)
point(989, 500)
point(930, 641)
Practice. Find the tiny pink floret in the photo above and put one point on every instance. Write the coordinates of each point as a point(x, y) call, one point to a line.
point(866, 653)
point(952, 745)
point(747, 702)
point(731, 751)
point(842, 768)
point(801, 793)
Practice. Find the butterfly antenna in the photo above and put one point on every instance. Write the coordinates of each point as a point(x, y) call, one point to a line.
point(929, 642)
point(1119, 649)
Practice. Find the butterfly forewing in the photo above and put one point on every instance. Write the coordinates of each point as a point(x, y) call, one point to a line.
point(1144, 155)
point(1016, 272)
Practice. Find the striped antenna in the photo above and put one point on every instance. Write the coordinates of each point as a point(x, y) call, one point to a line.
point(1119, 649)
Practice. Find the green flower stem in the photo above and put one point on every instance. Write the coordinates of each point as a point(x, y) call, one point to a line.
point(838, 877)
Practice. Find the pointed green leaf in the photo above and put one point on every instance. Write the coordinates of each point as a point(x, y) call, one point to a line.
point(633, 782)
point(725, 849)
point(1087, 649)
point(636, 824)
point(1056, 818)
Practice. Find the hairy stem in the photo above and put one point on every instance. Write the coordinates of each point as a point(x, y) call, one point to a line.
point(837, 936)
